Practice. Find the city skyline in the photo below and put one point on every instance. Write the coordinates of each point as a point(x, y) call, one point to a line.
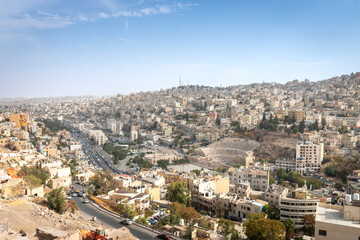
point(106, 47)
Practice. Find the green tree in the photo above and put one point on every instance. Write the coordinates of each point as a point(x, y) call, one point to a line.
point(40, 173)
point(272, 211)
point(302, 126)
point(331, 171)
point(343, 130)
point(226, 228)
point(289, 228)
point(178, 193)
point(142, 221)
point(196, 171)
point(163, 164)
point(56, 199)
point(130, 211)
point(257, 226)
point(32, 182)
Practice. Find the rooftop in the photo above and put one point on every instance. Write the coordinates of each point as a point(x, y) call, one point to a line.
point(333, 216)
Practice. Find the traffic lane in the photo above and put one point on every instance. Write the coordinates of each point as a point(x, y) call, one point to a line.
point(111, 221)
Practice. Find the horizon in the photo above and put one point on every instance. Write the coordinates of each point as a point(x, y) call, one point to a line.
point(107, 47)
point(160, 89)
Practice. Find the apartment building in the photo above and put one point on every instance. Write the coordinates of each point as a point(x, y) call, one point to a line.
point(230, 206)
point(309, 156)
point(275, 193)
point(349, 140)
point(258, 179)
point(98, 136)
point(297, 207)
point(298, 115)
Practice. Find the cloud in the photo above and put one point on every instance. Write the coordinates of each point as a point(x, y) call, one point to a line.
point(146, 11)
point(81, 17)
point(18, 16)
point(43, 20)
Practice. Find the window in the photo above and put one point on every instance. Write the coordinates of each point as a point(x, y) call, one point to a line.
point(323, 233)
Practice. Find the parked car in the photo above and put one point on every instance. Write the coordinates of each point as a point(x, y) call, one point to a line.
point(80, 194)
point(74, 195)
point(127, 221)
point(68, 197)
point(85, 200)
point(164, 236)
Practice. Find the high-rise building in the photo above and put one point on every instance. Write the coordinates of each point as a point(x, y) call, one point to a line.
point(309, 156)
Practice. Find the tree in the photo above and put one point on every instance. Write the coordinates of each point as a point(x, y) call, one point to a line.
point(226, 227)
point(331, 171)
point(302, 126)
point(323, 123)
point(142, 221)
point(178, 193)
point(272, 211)
point(32, 182)
point(309, 224)
point(289, 228)
point(56, 199)
point(40, 173)
point(343, 130)
point(196, 171)
point(130, 211)
point(163, 164)
point(71, 205)
point(257, 226)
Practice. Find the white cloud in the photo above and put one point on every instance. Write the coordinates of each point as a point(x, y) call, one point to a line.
point(42, 21)
point(81, 17)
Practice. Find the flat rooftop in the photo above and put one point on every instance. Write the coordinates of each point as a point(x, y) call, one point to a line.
point(333, 216)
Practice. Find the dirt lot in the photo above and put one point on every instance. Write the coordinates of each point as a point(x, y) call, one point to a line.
point(22, 214)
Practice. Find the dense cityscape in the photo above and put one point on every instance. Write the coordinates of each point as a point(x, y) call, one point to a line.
point(179, 120)
point(258, 161)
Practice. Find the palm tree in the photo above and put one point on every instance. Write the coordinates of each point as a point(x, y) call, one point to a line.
point(289, 228)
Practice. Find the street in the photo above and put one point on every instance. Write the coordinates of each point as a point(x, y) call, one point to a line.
point(111, 221)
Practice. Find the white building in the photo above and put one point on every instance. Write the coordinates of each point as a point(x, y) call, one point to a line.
point(310, 156)
point(258, 179)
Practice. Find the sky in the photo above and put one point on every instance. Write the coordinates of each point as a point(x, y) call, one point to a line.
point(105, 47)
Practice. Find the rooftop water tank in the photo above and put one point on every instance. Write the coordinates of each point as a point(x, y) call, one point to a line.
point(356, 196)
point(347, 198)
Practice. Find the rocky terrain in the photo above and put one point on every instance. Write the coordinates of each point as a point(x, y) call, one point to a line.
point(38, 221)
point(276, 145)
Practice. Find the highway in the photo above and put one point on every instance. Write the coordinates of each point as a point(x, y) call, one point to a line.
point(111, 221)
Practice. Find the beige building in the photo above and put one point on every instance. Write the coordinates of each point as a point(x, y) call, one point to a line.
point(258, 179)
point(298, 115)
point(336, 222)
point(309, 156)
point(348, 140)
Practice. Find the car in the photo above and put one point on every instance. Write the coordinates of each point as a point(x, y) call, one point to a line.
point(69, 193)
point(80, 194)
point(85, 200)
point(74, 195)
point(126, 221)
point(68, 197)
point(164, 236)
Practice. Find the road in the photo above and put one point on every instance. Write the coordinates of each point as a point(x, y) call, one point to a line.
point(111, 221)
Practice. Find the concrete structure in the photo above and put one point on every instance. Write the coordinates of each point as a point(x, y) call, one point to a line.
point(98, 136)
point(258, 179)
point(331, 223)
point(310, 156)
point(298, 115)
point(297, 207)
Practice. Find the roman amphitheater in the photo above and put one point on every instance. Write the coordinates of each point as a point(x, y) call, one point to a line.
point(227, 152)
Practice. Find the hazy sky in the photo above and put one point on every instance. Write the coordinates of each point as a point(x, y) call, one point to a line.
point(104, 47)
